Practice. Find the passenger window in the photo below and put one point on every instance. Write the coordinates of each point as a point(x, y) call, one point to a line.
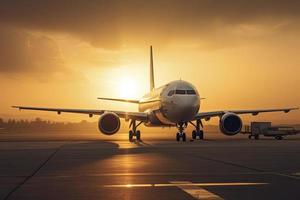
point(171, 92)
point(191, 92)
point(180, 91)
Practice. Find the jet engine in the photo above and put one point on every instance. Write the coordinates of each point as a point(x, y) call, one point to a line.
point(230, 124)
point(109, 123)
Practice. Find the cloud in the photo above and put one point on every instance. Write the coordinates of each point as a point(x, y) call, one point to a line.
point(24, 52)
point(113, 23)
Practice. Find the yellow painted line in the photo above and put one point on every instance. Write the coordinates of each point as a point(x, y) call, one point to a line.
point(195, 191)
point(182, 183)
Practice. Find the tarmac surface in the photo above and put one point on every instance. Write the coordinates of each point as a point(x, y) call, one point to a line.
point(152, 169)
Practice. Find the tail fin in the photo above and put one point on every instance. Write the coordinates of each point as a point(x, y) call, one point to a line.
point(152, 86)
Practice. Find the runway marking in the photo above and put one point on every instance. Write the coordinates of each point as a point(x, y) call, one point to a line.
point(250, 168)
point(297, 174)
point(34, 172)
point(196, 191)
point(286, 175)
point(227, 163)
point(182, 183)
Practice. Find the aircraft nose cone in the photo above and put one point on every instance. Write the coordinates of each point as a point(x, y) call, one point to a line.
point(187, 111)
point(182, 109)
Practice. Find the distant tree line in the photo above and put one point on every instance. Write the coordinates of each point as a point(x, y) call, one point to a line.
point(39, 124)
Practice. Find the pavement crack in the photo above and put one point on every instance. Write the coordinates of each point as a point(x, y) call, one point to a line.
point(228, 163)
point(27, 178)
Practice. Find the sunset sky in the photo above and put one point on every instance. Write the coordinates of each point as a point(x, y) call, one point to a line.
point(66, 53)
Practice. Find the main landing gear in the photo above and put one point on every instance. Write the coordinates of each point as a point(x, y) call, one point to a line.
point(198, 132)
point(133, 132)
point(181, 134)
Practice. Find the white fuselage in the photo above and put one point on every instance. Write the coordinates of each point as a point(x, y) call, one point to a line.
point(175, 102)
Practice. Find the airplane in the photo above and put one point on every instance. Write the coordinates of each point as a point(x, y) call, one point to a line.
point(176, 103)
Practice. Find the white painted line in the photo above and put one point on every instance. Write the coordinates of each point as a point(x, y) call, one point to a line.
point(192, 189)
point(195, 191)
point(182, 183)
point(286, 175)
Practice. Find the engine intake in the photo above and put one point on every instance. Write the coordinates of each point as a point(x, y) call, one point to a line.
point(109, 123)
point(230, 124)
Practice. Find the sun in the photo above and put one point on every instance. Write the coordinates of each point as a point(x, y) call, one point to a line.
point(127, 88)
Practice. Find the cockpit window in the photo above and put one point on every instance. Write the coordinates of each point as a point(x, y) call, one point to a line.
point(181, 92)
point(171, 92)
point(191, 92)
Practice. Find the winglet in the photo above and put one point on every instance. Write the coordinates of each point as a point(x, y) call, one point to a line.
point(18, 107)
point(289, 109)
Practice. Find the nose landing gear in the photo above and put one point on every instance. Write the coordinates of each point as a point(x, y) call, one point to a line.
point(134, 132)
point(198, 132)
point(181, 134)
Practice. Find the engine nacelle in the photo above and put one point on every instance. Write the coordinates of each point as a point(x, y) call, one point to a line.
point(230, 124)
point(109, 123)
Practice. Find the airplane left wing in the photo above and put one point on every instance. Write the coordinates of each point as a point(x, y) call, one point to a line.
point(139, 116)
point(208, 115)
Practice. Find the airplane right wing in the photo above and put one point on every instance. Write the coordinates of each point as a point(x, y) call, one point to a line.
point(139, 116)
point(208, 115)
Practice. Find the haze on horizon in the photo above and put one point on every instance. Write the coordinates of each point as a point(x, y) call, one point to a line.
point(239, 54)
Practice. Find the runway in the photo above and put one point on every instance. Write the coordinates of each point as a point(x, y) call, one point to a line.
point(210, 169)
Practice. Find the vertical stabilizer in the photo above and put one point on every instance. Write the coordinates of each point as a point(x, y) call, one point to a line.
point(152, 86)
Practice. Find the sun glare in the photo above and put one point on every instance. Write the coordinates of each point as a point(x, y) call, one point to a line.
point(128, 88)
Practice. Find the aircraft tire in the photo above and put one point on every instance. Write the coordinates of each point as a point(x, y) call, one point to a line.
point(278, 137)
point(194, 135)
point(183, 137)
point(138, 135)
point(201, 135)
point(130, 135)
point(177, 137)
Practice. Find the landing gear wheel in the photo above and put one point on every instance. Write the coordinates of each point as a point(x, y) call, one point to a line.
point(183, 137)
point(130, 135)
point(250, 137)
point(177, 137)
point(198, 131)
point(194, 135)
point(278, 137)
point(181, 134)
point(133, 132)
point(256, 137)
point(201, 135)
point(138, 135)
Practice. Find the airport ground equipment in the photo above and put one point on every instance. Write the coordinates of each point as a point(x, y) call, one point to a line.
point(257, 129)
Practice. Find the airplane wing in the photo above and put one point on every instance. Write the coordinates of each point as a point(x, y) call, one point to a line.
point(121, 100)
point(208, 115)
point(140, 116)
